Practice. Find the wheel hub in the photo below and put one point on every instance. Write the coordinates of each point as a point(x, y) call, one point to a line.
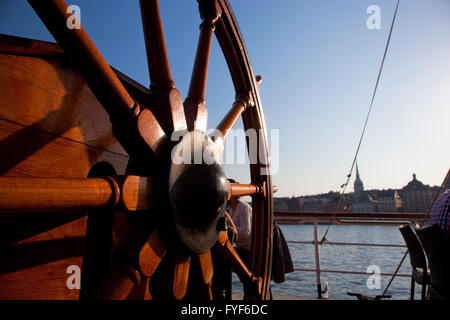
point(198, 190)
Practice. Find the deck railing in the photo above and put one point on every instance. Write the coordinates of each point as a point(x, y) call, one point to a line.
point(344, 218)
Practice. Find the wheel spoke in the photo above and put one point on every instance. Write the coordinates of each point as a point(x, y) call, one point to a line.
point(181, 277)
point(158, 60)
point(79, 47)
point(228, 122)
point(165, 100)
point(150, 131)
point(196, 114)
point(206, 267)
point(47, 194)
point(197, 87)
point(228, 254)
point(240, 190)
point(151, 253)
point(194, 105)
point(25, 194)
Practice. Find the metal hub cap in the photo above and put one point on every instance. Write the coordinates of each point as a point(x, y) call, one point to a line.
point(197, 190)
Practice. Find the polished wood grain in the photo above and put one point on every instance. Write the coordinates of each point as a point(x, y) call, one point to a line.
point(25, 194)
point(44, 155)
point(55, 101)
point(51, 51)
point(36, 267)
point(45, 194)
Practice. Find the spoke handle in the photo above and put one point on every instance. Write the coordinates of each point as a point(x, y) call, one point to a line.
point(239, 106)
point(240, 190)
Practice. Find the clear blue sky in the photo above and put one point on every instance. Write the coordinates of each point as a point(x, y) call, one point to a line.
point(319, 63)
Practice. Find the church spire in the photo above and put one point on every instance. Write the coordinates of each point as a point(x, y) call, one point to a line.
point(357, 171)
point(358, 185)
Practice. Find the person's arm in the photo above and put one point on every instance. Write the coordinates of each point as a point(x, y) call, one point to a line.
point(232, 225)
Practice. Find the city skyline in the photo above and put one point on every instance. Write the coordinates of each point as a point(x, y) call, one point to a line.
point(350, 190)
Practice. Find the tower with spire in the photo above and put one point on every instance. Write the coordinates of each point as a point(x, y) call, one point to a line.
point(358, 185)
point(362, 201)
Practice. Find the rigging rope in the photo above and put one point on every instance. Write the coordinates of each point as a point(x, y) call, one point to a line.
point(344, 186)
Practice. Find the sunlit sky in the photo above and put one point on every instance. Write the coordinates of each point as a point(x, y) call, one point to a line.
point(319, 63)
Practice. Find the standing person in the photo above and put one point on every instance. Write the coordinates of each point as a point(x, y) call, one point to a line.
point(241, 214)
point(440, 213)
point(239, 232)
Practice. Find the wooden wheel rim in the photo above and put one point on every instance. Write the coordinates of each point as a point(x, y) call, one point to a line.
point(231, 41)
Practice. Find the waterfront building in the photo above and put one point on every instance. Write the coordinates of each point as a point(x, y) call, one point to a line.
point(416, 196)
point(312, 205)
point(280, 204)
point(364, 202)
point(389, 201)
point(294, 204)
point(336, 204)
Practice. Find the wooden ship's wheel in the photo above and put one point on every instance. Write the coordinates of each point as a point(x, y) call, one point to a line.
point(81, 189)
